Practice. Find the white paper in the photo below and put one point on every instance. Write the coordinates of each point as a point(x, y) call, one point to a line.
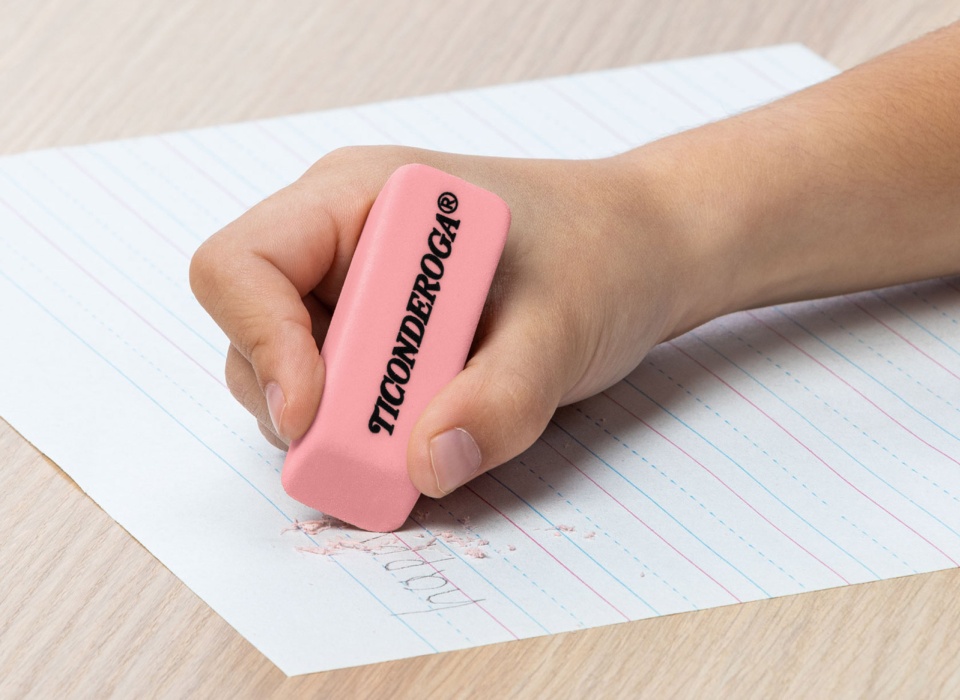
point(768, 453)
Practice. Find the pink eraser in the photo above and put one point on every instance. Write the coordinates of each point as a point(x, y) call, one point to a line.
point(401, 331)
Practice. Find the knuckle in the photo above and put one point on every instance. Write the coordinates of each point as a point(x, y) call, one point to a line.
point(261, 342)
point(238, 382)
point(214, 270)
point(366, 159)
point(202, 268)
point(343, 154)
point(236, 387)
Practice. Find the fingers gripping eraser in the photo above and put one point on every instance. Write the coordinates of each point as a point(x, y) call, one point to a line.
point(401, 331)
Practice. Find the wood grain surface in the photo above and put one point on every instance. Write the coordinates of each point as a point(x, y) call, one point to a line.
point(85, 611)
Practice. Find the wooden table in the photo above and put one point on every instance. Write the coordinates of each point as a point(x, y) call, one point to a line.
point(86, 611)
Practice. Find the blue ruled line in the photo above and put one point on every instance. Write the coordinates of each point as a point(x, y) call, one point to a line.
point(866, 374)
point(210, 449)
point(747, 472)
point(567, 537)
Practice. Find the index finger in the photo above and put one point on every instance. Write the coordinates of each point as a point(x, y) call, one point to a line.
point(252, 275)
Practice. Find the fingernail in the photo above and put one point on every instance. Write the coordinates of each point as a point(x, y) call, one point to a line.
point(455, 458)
point(276, 405)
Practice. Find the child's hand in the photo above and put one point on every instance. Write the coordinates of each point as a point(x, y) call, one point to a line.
point(850, 184)
point(592, 276)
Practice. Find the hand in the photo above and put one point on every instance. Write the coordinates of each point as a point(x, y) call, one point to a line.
point(847, 185)
point(592, 276)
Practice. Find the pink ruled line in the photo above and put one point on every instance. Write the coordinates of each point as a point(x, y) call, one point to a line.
point(904, 339)
point(853, 388)
point(729, 488)
point(126, 205)
point(547, 551)
point(451, 582)
point(807, 448)
point(641, 521)
point(109, 291)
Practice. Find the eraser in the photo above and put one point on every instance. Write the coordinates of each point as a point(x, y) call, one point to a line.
point(401, 331)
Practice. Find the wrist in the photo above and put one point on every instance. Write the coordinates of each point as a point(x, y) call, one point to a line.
point(751, 209)
point(706, 208)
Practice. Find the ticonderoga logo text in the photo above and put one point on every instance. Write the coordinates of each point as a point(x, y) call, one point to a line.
point(426, 287)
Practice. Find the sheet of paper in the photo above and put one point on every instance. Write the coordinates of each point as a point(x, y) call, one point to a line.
point(768, 453)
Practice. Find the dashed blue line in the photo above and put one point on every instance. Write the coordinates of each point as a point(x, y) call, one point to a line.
point(749, 475)
point(112, 266)
point(830, 439)
point(866, 374)
point(918, 324)
point(585, 553)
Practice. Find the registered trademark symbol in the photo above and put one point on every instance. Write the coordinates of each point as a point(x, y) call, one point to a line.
point(447, 202)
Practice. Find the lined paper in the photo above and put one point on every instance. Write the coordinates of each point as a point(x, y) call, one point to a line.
point(771, 452)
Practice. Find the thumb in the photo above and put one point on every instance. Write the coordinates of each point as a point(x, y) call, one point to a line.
point(492, 411)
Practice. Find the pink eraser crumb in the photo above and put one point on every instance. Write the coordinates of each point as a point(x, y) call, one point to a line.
point(336, 545)
point(589, 535)
point(311, 527)
point(401, 330)
point(450, 538)
point(426, 545)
